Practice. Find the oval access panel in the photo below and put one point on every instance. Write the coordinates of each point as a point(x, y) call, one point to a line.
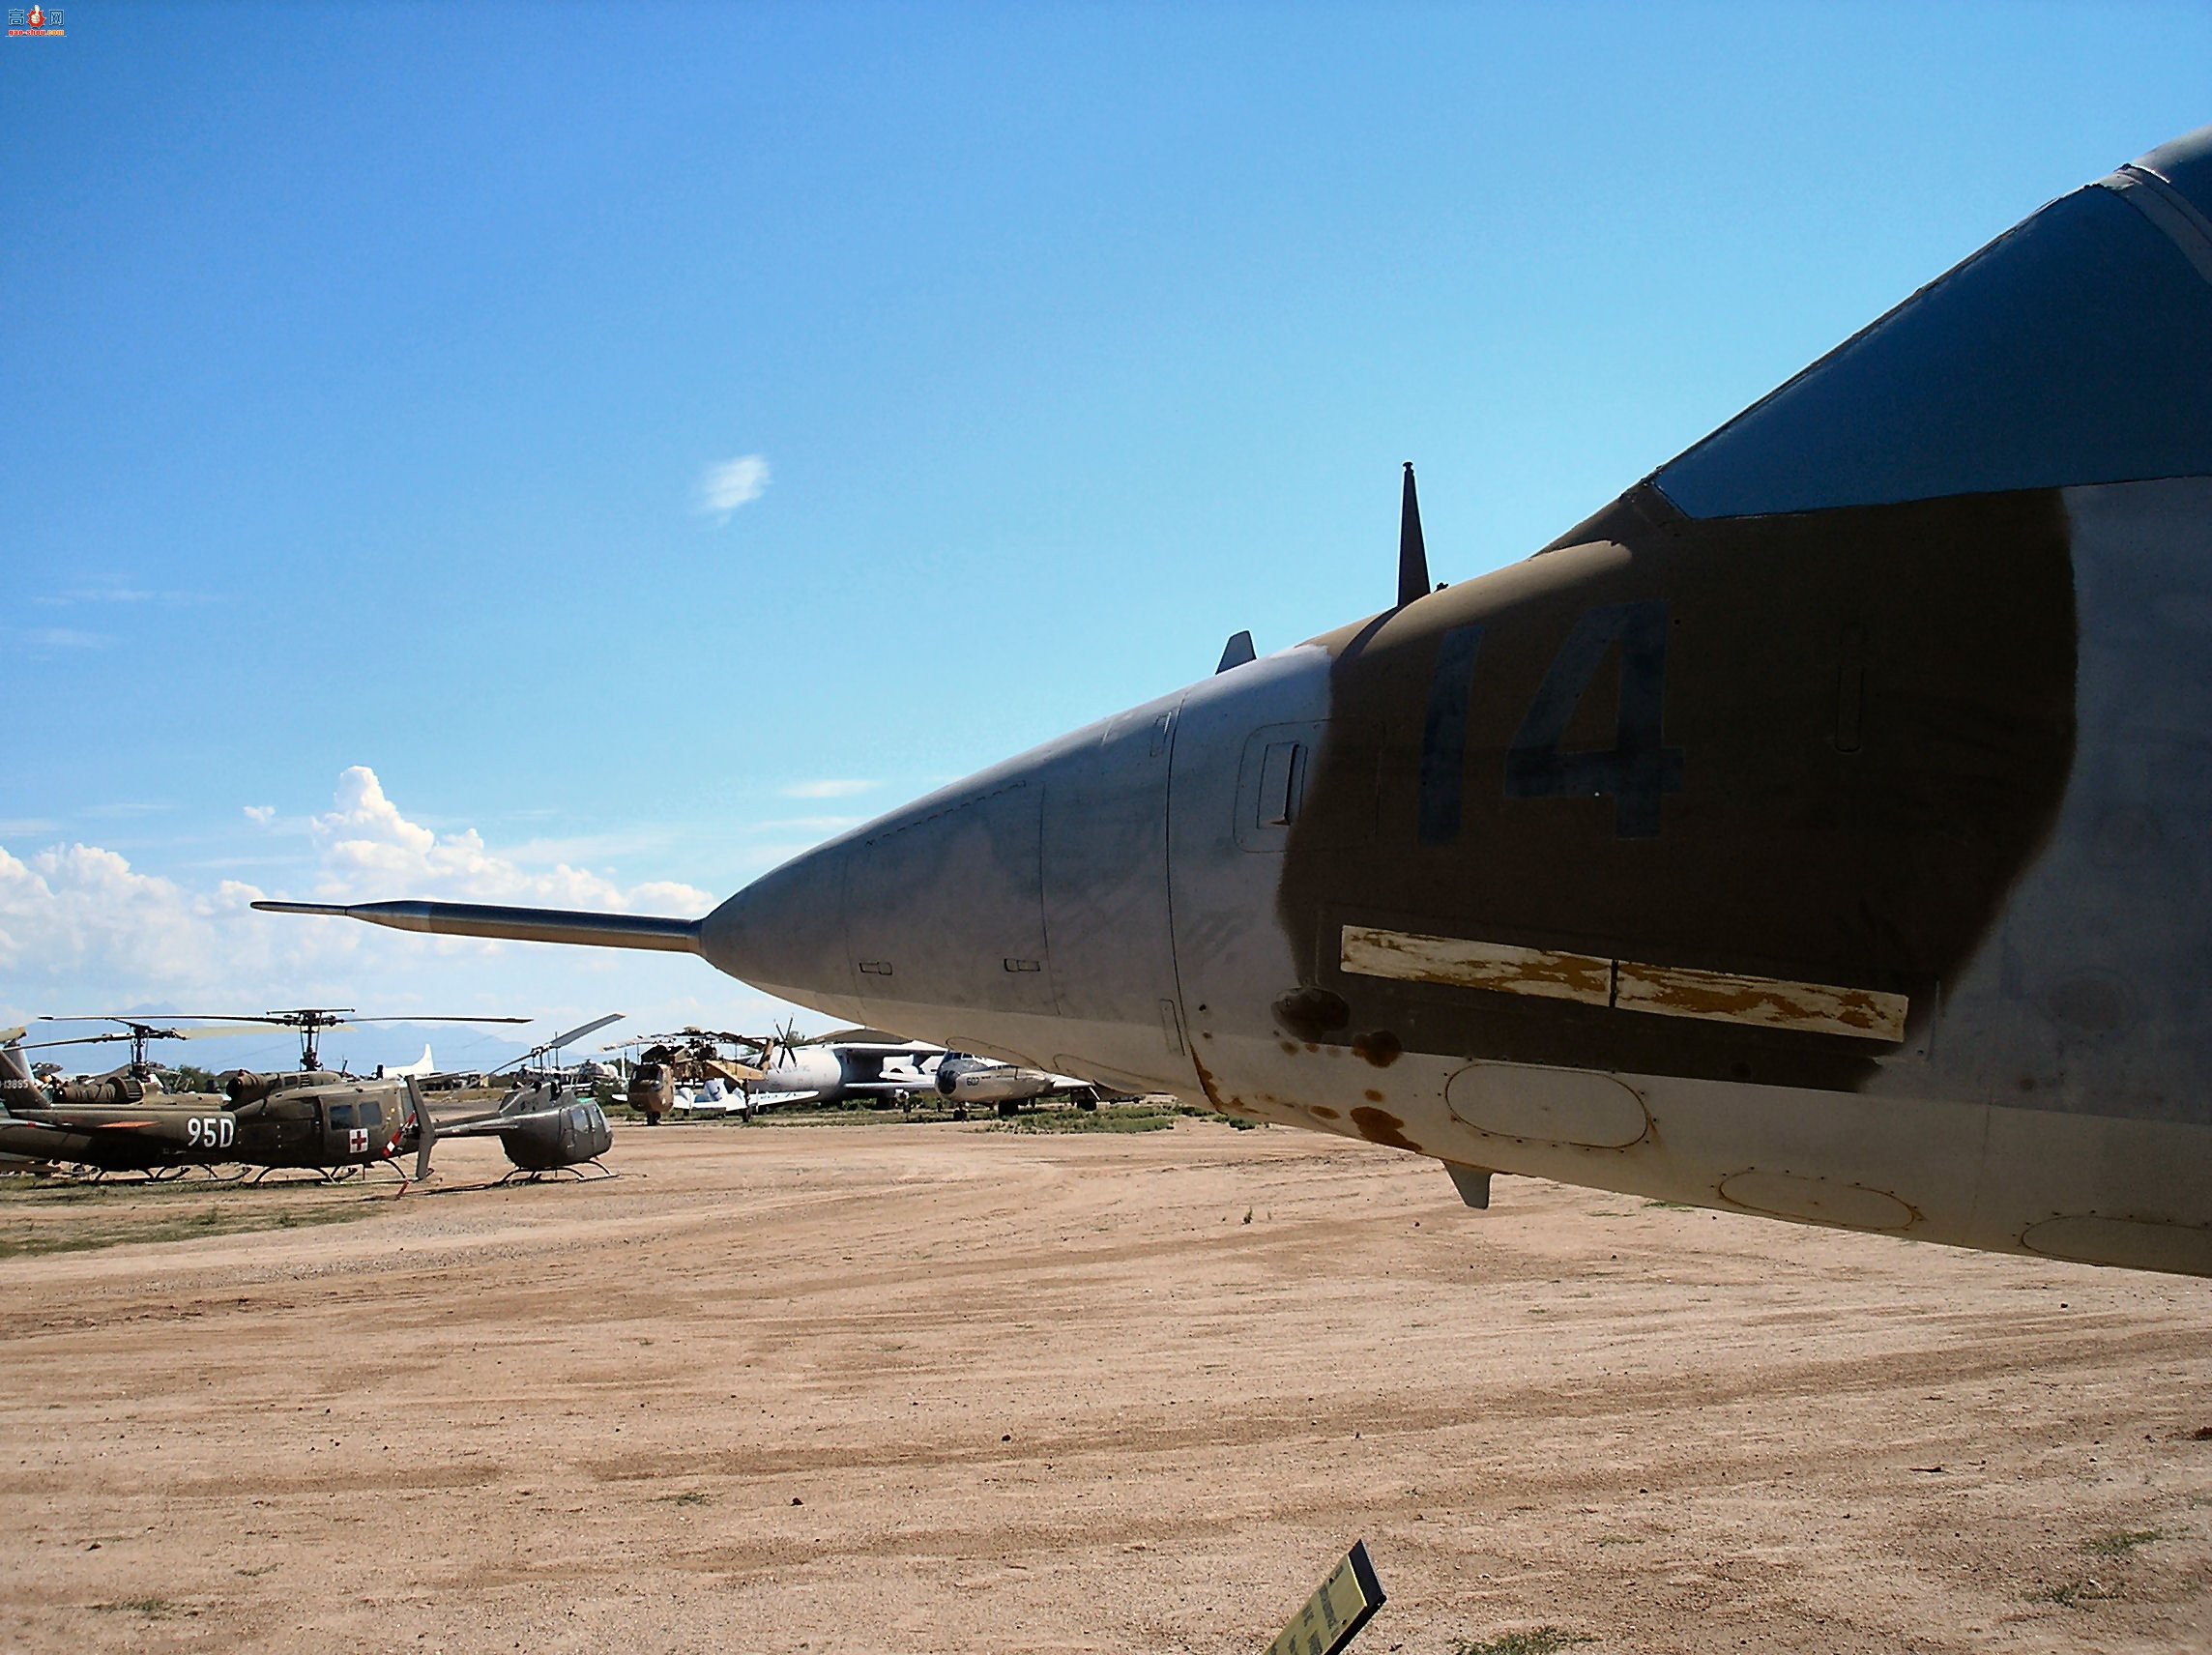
point(1552, 1106)
point(1817, 1200)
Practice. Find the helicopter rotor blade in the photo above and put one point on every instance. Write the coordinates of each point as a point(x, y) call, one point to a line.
point(583, 1029)
point(150, 1024)
point(424, 1017)
point(81, 1040)
point(218, 1034)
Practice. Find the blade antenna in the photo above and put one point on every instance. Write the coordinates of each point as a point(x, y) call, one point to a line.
point(1412, 553)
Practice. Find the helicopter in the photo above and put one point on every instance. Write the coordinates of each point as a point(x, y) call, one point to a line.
point(546, 1123)
point(133, 1081)
point(690, 1058)
point(310, 1117)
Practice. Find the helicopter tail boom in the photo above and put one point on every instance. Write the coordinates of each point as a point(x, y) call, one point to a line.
point(513, 924)
point(18, 1085)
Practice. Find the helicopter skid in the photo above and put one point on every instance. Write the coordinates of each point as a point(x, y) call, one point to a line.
point(599, 1173)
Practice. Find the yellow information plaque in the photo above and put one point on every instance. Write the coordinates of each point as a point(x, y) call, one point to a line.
point(1336, 1612)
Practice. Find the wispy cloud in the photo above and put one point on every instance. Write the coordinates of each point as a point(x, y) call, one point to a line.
point(825, 788)
point(724, 487)
point(94, 594)
point(66, 638)
point(263, 814)
point(807, 824)
point(128, 809)
point(27, 827)
point(582, 847)
point(116, 589)
point(82, 926)
point(78, 919)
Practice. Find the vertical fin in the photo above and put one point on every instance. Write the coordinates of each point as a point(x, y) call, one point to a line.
point(1472, 1182)
point(1412, 553)
point(425, 1129)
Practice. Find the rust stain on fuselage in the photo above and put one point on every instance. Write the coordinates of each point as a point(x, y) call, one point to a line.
point(1312, 1013)
point(1380, 1126)
point(1379, 1047)
point(1205, 1081)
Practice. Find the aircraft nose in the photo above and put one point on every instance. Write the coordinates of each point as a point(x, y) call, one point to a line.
point(933, 921)
point(933, 913)
point(785, 933)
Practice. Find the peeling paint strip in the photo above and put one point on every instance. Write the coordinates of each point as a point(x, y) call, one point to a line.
point(1459, 962)
point(1665, 991)
point(1764, 1002)
point(2169, 211)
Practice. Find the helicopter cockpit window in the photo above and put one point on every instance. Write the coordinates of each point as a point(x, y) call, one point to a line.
point(372, 1114)
point(341, 1115)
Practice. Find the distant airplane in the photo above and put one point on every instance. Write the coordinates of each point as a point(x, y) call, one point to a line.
point(863, 1065)
point(421, 1067)
point(966, 1080)
point(1817, 831)
point(845, 1065)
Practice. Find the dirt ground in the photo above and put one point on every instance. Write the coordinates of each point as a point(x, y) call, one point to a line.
point(913, 1389)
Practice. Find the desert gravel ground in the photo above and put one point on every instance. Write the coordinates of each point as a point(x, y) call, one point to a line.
point(932, 1388)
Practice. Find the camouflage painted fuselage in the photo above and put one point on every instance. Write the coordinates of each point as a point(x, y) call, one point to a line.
point(1818, 831)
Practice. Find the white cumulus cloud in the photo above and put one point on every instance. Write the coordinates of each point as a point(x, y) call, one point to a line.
point(368, 850)
point(724, 487)
point(82, 929)
point(264, 814)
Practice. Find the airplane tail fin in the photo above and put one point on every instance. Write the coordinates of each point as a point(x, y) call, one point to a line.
point(2075, 349)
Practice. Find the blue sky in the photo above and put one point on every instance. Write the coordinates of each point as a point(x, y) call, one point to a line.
point(363, 370)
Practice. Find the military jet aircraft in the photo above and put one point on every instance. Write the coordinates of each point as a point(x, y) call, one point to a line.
point(1816, 831)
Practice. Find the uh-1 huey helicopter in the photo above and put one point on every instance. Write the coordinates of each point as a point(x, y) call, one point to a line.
point(310, 1118)
point(133, 1084)
point(546, 1123)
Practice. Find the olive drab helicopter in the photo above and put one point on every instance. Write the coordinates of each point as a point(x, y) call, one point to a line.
point(546, 1122)
point(310, 1117)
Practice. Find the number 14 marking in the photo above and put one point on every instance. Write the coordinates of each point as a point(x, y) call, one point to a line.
point(1637, 773)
